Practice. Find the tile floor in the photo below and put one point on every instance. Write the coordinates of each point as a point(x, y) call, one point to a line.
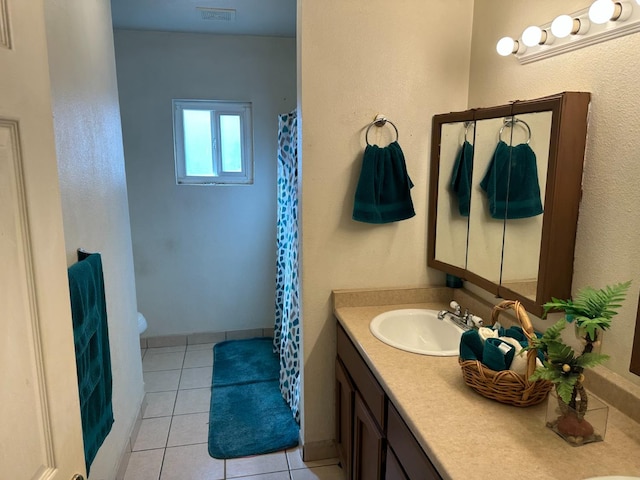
point(172, 441)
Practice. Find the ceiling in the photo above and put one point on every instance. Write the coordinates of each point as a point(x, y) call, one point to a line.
point(228, 17)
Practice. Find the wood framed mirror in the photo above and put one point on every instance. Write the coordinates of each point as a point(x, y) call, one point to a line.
point(501, 241)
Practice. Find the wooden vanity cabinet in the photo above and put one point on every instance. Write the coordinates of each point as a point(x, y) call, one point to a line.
point(372, 440)
point(360, 414)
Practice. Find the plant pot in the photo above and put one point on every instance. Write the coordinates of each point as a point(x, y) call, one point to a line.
point(586, 424)
point(595, 345)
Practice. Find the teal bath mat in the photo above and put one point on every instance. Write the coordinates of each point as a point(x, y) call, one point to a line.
point(248, 415)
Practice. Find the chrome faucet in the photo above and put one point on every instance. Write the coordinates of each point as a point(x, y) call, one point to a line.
point(464, 320)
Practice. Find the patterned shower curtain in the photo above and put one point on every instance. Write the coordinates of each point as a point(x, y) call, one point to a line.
point(286, 338)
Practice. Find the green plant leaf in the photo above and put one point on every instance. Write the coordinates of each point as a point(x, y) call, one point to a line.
point(560, 353)
point(551, 374)
point(565, 388)
point(588, 360)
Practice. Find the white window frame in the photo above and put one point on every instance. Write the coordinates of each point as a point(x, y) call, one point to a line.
point(216, 108)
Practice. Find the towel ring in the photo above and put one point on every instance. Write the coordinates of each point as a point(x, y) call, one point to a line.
point(513, 122)
point(380, 121)
point(467, 124)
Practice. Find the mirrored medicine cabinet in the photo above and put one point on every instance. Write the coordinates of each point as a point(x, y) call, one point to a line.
point(504, 194)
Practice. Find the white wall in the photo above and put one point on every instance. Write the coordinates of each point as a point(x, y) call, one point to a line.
point(409, 60)
point(609, 222)
point(204, 255)
point(93, 190)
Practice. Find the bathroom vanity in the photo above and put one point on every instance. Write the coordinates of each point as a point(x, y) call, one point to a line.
point(402, 415)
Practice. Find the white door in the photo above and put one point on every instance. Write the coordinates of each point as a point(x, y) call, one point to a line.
point(40, 429)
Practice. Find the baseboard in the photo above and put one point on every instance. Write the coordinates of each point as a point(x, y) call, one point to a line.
point(318, 450)
point(128, 448)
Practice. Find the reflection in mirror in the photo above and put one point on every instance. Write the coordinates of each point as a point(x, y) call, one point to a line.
point(527, 185)
point(523, 253)
point(485, 232)
point(456, 165)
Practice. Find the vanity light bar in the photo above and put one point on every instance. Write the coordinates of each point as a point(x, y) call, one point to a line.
point(603, 20)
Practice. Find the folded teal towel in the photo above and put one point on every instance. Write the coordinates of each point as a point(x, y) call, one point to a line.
point(93, 359)
point(461, 178)
point(383, 191)
point(511, 182)
point(516, 332)
point(471, 347)
point(496, 359)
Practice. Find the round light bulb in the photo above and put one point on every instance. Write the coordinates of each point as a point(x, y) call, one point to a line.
point(601, 11)
point(505, 46)
point(562, 26)
point(532, 36)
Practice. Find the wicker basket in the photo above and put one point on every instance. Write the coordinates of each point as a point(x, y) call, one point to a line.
point(507, 386)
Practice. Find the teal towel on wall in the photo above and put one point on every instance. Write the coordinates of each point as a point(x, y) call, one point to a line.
point(93, 359)
point(383, 191)
point(460, 183)
point(511, 183)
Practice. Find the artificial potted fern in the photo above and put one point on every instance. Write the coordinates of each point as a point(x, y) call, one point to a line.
point(592, 311)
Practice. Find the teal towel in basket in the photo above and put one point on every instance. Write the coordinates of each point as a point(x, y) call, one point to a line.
point(383, 192)
point(511, 183)
point(93, 359)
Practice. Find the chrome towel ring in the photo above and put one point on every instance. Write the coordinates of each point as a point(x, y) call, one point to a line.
point(513, 122)
point(380, 121)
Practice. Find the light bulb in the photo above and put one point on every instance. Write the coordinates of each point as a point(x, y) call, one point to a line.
point(601, 11)
point(532, 36)
point(562, 26)
point(506, 46)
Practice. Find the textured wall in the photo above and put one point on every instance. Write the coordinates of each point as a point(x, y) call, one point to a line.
point(408, 60)
point(93, 190)
point(607, 240)
point(204, 255)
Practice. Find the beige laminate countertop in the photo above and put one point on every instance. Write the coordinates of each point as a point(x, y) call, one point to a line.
point(470, 437)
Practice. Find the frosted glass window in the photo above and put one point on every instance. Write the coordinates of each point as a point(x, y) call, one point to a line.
point(198, 146)
point(231, 143)
point(212, 142)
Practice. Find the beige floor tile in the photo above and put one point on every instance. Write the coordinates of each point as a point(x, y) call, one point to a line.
point(191, 462)
point(198, 358)
point(269, 463)
point(196, 400)
point(329, 472)
point(212, 340)
point(294, 457)
point(159, 404)
point(162, 381)
point(144, 465)
point(162, 361)
point(266, 476)
point(158, 350)
point(199, 377)
point(189, 429)
point(152, 434)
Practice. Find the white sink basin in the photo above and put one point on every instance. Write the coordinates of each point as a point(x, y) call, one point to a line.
point(418, 331)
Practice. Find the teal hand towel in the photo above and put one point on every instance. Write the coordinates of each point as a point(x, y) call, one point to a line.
point(495, 358)
point(383, 191)
point(516, 332)
point(471, 347)
point(460, 183)
point(93, 358)
point(511, 183)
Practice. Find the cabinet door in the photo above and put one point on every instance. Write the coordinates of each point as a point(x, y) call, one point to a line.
point(345, 393)
point(393, 470)
point(413, 459)
point(368, 444)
